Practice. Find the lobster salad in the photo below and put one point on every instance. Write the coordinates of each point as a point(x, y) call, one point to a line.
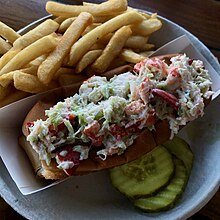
point(110, 114)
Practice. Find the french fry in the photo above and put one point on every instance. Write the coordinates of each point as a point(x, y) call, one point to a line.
point(30, 70)
point(47, 27)
point(8, 33)
point(53, 62)
point(105, 39)
point(97, 46)
point(146, 27)
point(136, 42)
point(95, 4)
point(132, 9)
point(65, 62)
point(133, 42)
point(7, 79)
point(106, 8)
point(38, 60)
point(84, 44)
point(146, 53)
point(103, 19)
point(59, 19)
point(63, 71)
point(112, 49)
point(66, 79)
point(130, 56)
point(4, 46)
point(14, 96)
point(7, 57)
point(91, 27)
point(65, 24)
point(154, 15)
point(147, 16)
point(29, 83)
point(147, 47)
point(39, 47)
point(89, 4)
point(58, 36)
point(87, 59)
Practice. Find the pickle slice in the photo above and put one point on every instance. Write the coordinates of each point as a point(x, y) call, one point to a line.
point(167, 197)
point(144, 176)
point(180, 148)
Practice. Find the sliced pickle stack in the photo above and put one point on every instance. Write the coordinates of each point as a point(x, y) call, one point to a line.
point(181, 150)
point(153, 170)
point(157, 180)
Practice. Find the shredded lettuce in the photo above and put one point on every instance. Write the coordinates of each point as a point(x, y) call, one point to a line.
point(107, 102)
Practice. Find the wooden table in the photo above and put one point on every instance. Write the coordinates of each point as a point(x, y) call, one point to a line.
point(202, 18)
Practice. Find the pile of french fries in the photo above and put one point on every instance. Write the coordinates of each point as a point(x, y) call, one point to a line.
point(76, 42)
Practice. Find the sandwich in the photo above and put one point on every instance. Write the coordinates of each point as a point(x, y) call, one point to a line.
point(115, 118)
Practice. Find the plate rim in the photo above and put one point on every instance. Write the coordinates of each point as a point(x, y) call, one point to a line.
point(191, 210)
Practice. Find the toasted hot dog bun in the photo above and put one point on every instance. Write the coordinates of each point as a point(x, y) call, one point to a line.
point(145, 142)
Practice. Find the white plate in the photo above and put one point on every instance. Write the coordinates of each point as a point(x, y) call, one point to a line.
point(93, 197)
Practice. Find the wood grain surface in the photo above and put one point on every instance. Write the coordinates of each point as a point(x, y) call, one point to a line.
point(202, 18)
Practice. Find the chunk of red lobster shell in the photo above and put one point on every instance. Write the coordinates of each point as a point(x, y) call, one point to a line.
point(167, 97)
